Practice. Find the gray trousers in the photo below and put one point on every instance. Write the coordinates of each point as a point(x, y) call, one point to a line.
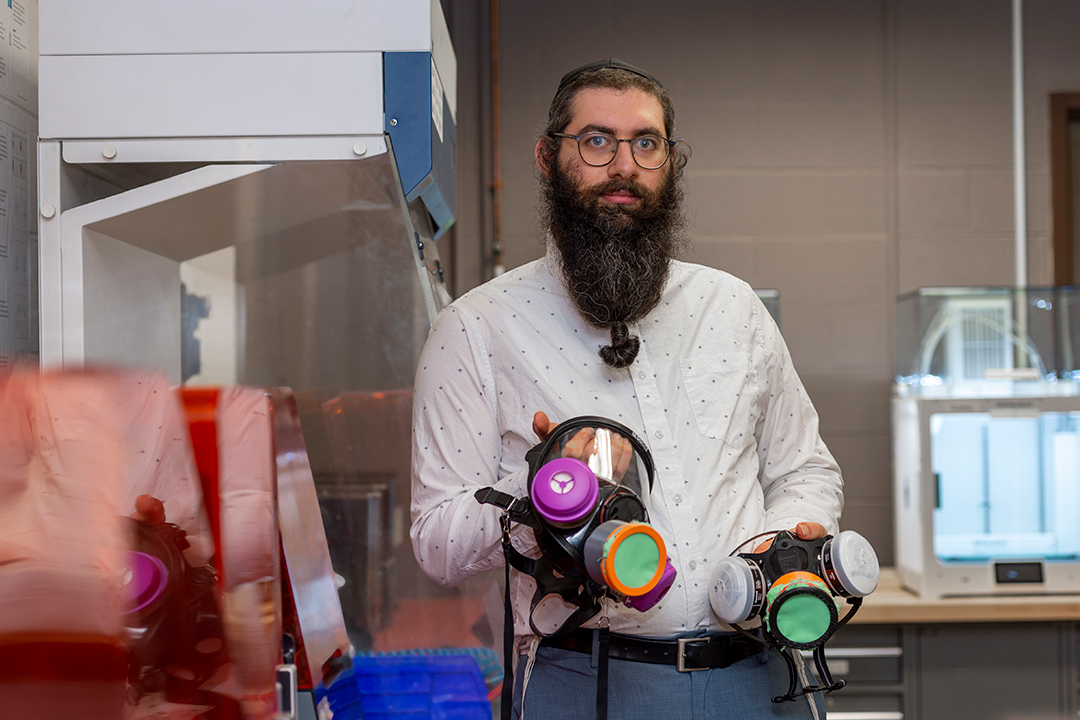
point(562, 686)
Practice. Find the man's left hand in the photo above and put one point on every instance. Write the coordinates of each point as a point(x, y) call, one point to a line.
point(804, 531)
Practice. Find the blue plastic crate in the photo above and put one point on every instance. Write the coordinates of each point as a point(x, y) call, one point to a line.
point(418, 687)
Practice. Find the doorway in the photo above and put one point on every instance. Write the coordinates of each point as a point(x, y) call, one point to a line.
point(1065, 183)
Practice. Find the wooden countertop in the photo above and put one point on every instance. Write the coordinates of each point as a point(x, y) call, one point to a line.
point(891, 603)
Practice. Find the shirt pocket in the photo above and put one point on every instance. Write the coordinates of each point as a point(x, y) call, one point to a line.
point(720, 392)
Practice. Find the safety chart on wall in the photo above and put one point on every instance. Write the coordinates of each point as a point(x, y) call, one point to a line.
point(15, 72)
point(17, 129)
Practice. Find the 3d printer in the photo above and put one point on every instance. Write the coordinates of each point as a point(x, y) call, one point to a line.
point(986, 441)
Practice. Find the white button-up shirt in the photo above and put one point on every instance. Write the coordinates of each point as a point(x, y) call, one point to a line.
point(733, 435)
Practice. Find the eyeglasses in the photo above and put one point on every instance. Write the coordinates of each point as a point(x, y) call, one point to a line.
point(599, 148)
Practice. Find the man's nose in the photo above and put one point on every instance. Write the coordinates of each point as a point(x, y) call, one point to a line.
point(623, 164)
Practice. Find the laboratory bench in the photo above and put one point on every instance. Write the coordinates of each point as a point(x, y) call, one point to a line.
point(958, 658)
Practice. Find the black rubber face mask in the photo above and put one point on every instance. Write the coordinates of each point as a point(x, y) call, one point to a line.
point(172, 619)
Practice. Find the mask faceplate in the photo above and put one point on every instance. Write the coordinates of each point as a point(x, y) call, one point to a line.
point(589, 486)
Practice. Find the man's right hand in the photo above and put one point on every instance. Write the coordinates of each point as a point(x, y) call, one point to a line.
point(542, 426)
point(582, 445)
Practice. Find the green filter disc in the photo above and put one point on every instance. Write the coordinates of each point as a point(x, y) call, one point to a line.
point(801, 611)
point(803, 618)
point(636, 560)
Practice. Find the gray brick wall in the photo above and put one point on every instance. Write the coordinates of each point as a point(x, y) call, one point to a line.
point(844, 152)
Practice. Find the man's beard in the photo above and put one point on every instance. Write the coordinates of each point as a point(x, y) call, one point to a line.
point(615, 258)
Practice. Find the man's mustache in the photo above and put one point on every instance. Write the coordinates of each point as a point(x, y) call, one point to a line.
point(612, 187)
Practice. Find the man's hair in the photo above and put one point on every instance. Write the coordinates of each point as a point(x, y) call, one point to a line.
point(562, 105)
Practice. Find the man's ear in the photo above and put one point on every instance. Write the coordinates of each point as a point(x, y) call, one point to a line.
point(543, 157)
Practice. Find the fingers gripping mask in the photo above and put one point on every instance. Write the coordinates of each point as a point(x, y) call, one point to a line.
point(796, 588)
point(589, 486)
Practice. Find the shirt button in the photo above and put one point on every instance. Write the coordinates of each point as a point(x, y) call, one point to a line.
point(641, 374)
point(678, 498)
point(659, 434)
point(692, 564)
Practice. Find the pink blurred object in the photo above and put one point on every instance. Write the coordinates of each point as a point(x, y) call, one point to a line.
point(232, 437)
point(313, 614)
point(75, 451)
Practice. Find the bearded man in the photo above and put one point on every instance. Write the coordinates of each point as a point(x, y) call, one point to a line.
point(610, 324)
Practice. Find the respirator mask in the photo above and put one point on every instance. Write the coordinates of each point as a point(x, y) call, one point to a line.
point(588, 504)
point(171, 618)
point(796, 588)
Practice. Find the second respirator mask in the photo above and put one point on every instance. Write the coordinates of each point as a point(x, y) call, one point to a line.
point(794, 585)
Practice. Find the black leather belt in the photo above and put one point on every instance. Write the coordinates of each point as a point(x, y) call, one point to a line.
point(686, 654)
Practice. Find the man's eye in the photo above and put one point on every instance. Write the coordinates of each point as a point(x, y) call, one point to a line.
point(648, 143)
point(597, 141)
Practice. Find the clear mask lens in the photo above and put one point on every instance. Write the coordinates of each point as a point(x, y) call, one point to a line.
point(611, 456)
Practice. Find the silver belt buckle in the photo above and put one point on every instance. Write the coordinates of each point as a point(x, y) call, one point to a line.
point(680, 663)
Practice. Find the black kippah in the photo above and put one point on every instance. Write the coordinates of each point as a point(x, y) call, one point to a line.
point(613, 63)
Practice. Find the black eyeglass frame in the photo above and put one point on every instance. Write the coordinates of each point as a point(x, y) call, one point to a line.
point(577, 140)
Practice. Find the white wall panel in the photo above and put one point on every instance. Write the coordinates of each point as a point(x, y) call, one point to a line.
point(153, 96)
point(142, 27)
